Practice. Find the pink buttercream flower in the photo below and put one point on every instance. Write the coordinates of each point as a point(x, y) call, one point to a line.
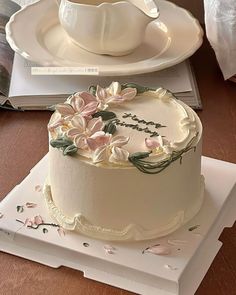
point(84, 104)
point(105, 147)
point(56, 121)
point(159, 145)
point(114, 94)
point(57, 125)
point(98, 140)
point(82, 129)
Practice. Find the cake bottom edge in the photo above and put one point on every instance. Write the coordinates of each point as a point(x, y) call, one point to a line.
point(131, 232)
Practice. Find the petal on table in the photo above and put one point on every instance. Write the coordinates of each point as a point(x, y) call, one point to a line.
point(158, 250)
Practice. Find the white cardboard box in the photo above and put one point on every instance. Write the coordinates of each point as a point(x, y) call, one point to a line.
point(192, 251)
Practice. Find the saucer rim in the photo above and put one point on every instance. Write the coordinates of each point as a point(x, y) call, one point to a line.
point(110, 70)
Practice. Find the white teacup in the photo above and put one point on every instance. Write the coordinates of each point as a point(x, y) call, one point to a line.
point(113, 28)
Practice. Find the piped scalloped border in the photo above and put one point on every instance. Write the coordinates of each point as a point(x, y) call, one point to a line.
point(12, 42)
point(107, 71)
point(131, 232)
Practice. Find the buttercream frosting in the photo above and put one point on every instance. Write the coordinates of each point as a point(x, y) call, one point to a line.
point(125, 163)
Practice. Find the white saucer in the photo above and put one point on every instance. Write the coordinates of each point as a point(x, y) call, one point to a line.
point(36, 34)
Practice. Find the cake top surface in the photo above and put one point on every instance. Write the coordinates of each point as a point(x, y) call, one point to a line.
point(124, 125)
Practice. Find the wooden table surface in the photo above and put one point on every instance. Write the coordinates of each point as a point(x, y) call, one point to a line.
point(23, 142)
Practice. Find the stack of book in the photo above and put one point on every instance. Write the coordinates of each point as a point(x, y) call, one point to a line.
point(21, 90)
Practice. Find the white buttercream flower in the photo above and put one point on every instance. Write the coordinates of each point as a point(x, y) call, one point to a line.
point(164, 94)
point(159, 145)
point(104, 147)
point(113, 94)
point(84, 104)
point(82, 129)
point(56, 121)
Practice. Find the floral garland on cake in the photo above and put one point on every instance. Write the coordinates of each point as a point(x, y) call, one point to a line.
point(84, 125)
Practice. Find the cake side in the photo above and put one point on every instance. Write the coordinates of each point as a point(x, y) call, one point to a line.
point(145, 185)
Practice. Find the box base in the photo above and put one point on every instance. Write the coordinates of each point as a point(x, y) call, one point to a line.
point(191, 249)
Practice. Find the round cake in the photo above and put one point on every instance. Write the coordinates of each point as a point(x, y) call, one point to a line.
point(124, 163)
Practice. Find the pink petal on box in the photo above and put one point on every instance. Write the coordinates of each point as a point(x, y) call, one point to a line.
point(38, 220)
point(158, 250)
point(61, 231)
point(38, 188)
point(168, 266)
point(109, 249)
point(30, 205)
point(28, 222)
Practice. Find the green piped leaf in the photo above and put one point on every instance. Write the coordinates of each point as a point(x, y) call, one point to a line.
point(110, 128)
point(70, 150)
point(93, 89)
point(105, 115)
point(20, 209)
point(52, 108)
point(65, 144)
point(139, 88)
point(139, 156)
point(192, 228)
point(61, 142)
point(151, 167)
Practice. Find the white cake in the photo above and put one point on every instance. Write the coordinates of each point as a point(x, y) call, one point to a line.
point(125, 163)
